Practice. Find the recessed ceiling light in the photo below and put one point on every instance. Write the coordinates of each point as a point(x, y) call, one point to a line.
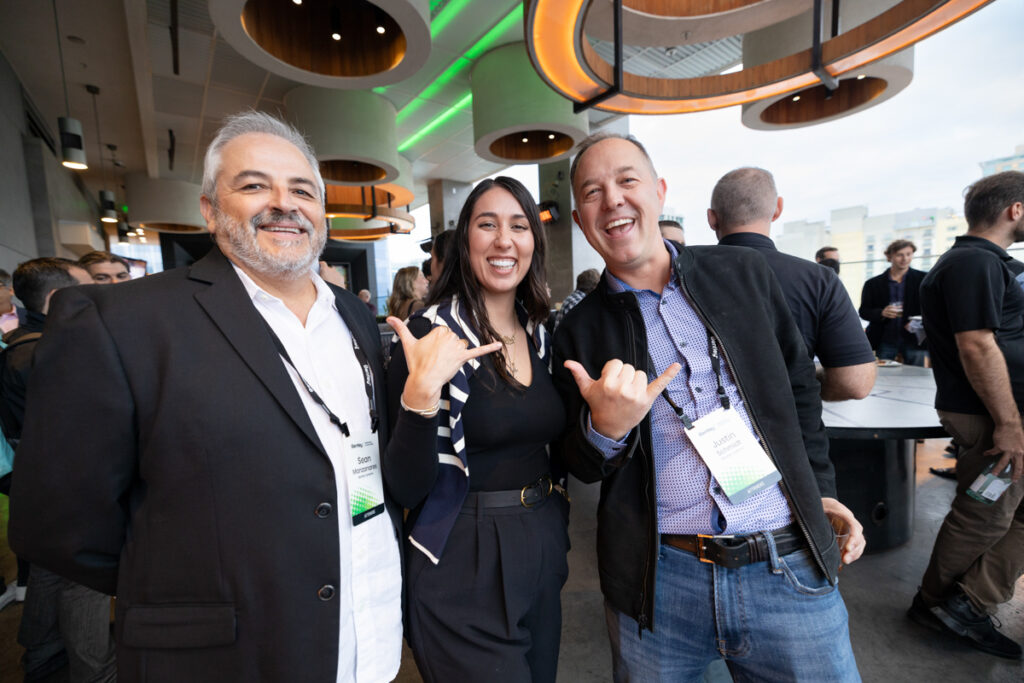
point(380, 29)
point(861, 77)
point(297, 2)
point(336, 36)
point(551, 136)
point(796, 98)
point(526, 139)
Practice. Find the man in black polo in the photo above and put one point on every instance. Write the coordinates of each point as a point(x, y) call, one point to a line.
point(744, 204)
point(973, 311)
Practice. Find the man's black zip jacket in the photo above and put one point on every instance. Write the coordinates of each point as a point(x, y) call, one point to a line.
point(737, 296)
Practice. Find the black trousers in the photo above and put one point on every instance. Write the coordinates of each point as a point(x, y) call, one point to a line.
point(490, 610)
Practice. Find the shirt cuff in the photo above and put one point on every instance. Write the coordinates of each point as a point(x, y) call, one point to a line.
point(609, 447)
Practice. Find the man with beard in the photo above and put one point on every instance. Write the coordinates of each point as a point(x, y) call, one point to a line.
point(973, 311)
point(225, 484)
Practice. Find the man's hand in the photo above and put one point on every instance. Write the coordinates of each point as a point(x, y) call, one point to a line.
point(1008, 440)
point(891, 311)
point(433, 361)
point(835, 510)
point(331, 275)
point(621, 397)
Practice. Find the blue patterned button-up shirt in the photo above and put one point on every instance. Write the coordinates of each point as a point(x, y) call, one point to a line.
point(690, 501)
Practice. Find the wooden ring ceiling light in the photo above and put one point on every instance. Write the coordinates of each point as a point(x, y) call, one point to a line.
point(565, 59)
point(362, 213)
point(352, 44)
point(353, 133)
point(163, 205)
point(517, 118)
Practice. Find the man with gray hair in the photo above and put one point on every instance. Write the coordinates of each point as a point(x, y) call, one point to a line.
point(744, 204)
point(226, 482)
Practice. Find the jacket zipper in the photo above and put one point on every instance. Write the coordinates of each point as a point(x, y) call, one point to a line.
point(757, 430)
point(642, 620)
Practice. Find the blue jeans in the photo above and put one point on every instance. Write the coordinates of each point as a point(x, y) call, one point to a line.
point(911, 356)
point(778, 620)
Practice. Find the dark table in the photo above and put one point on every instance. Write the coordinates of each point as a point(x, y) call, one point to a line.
point(872, 444)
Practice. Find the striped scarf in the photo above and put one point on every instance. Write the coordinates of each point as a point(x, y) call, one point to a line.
point(442, 505)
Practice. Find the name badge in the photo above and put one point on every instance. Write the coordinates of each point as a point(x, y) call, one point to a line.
point(733, 455)
point(365, 484)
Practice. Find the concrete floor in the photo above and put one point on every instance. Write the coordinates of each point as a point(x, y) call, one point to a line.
point(877, 589)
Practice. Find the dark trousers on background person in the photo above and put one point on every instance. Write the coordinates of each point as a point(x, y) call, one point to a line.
point(490, 610)
point(909, 354)
point(979, 547)
point(66, 623)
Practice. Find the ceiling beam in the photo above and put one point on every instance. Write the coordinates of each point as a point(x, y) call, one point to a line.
point(142, 71)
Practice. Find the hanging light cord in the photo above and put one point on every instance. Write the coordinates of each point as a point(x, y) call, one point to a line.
point(60, 53)
point(99, 140)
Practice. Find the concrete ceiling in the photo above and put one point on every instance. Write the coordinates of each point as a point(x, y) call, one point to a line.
point(125, 48)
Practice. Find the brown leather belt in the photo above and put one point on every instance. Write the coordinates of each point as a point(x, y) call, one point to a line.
point(737, 551)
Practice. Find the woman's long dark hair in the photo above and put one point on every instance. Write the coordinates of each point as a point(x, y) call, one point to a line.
point(457, 277)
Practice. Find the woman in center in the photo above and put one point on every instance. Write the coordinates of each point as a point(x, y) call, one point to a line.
point(486, 536)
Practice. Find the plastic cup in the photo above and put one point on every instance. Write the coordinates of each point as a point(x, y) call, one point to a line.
point(842, 532)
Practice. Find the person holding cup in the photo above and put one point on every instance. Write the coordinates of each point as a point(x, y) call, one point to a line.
point(888, 302)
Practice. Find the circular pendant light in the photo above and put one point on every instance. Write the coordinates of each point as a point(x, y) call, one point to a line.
point(517, 118)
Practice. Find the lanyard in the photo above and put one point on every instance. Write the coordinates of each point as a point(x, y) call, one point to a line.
point(367, 382)
point(716, 365)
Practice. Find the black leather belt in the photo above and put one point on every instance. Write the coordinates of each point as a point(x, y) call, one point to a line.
point(528, 496)
point(737, 551)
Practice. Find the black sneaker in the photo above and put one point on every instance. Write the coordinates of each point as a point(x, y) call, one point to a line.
point(959, 616)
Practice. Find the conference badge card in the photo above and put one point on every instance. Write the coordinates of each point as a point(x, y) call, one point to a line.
point(733, 455)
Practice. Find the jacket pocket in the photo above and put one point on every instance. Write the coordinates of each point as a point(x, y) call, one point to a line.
point(178, 626)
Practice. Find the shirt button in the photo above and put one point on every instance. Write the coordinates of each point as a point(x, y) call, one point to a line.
point(698, 389)
point(323, 510)
point(326, 592)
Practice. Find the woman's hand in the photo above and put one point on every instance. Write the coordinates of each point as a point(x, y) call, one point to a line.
point(432, 361)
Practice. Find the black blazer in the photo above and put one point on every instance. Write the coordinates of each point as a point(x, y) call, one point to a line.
point(875, 296)
point(167, 458)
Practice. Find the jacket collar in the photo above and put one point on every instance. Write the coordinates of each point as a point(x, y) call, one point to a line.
point(754, 240)
point(981, 243)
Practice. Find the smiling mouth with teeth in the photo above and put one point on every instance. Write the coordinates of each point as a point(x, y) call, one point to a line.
point(277, 228)
point(502, 263)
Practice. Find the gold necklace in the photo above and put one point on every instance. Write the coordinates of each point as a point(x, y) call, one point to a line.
point(509, 342)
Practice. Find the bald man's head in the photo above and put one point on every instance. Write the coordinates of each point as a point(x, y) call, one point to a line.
point(744, 198)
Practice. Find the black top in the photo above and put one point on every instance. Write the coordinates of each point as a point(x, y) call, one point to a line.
point(972, 287)
point(820, 305)
point(876, 295)
point(507, 429)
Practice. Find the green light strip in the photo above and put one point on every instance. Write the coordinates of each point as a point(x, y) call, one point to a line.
point(445, 17)
point(438, 121)
point(461, 63)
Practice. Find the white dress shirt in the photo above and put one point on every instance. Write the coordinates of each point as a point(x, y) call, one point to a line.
point(369, 590)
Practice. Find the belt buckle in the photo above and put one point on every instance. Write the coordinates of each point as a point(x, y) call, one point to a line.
point(538, 483)
point(701, 538)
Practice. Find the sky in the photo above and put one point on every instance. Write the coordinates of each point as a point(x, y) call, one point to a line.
point(919, 149)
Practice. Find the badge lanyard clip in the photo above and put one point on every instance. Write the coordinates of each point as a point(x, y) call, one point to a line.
point(716, 365)
point(367, 381)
